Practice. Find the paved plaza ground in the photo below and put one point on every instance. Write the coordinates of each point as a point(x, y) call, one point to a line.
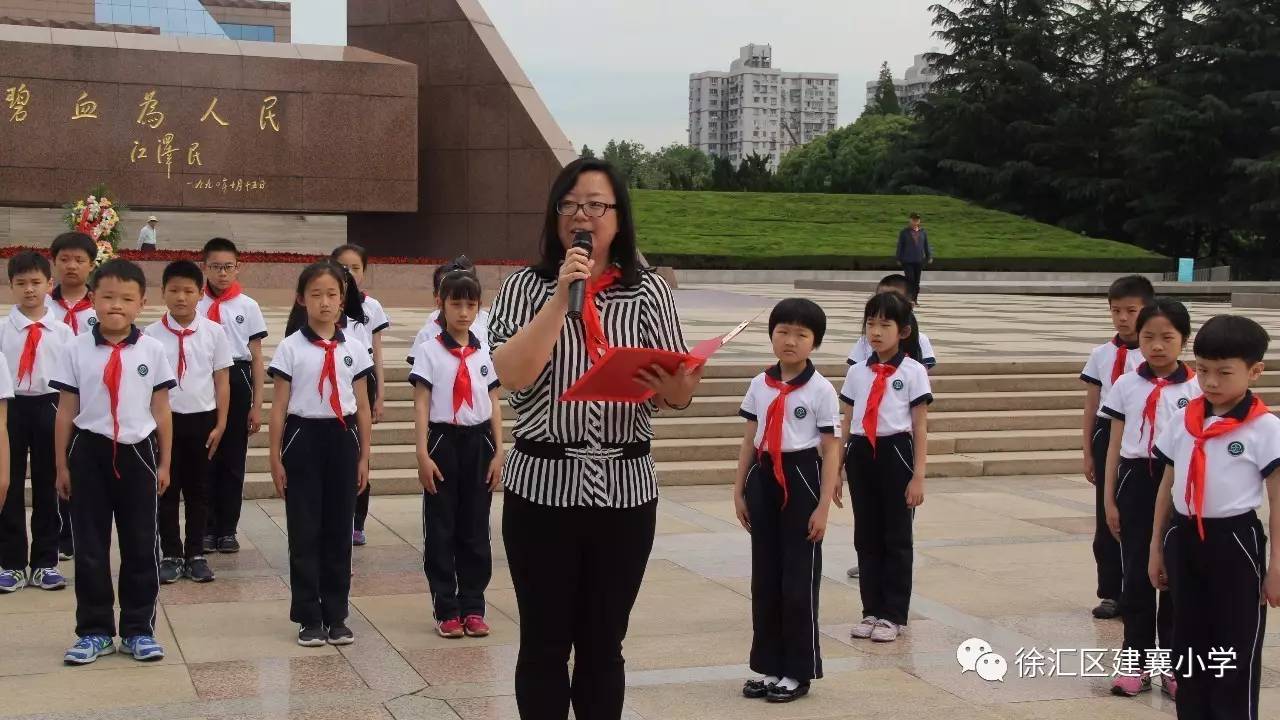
point(1003, 559)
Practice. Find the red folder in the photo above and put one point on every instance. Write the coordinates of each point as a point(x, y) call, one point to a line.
point(612, 377)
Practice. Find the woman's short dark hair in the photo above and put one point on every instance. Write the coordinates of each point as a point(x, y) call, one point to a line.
point(896, 308)
point(1228, 337)
point(622, 252)
point(1168, 308)
point(802, 312)
point(459, 285)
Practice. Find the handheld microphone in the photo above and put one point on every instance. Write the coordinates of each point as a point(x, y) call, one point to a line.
point(578, 288)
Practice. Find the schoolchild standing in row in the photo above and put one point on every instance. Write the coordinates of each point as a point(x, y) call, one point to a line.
point(433, 327)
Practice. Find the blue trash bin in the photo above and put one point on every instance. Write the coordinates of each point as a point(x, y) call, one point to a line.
point(1186, 269)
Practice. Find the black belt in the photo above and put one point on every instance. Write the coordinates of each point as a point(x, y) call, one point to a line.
point(794, 456)
point(1243, 521)
point(439, 428)
point(582, 451)
point(242, 362)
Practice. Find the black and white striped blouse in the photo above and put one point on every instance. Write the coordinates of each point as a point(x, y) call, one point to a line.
point(643, 315)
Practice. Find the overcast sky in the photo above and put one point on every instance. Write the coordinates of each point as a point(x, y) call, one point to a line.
point(620, 68)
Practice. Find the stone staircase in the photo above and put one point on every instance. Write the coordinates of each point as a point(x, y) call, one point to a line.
point(989, 418)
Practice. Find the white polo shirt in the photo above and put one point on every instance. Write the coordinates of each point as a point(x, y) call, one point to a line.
point(53, 341)
point(1097, 370)
point(906, 388)
point(242, 321)
point(207, 351)
point(812, 409)
point(432, 330)
point(862, 351)
point(1236, 464)
point(435, 368)
point(144, 370)
point(6, 380)
point(86, 318)
point(377, 322)
point(301, 363)
point(1128, 399)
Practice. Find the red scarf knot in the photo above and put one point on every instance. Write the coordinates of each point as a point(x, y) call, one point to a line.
point(1153, 402)
point(111, 375)
point(73, 311)
point(330, 373)
point(592, 325)
point(215, 308)
point(462, 379)
point(1194, 423)
point(871, 414)
point(774, 420)
point(183, 334)
point(27, 361)
point(1122, 358)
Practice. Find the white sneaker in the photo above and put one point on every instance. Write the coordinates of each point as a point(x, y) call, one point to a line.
point(863, 630)
point(885, 631)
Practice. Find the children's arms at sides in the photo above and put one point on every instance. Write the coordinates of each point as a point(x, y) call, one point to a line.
point(259, 383)
point(279, 410)
point(746, 458)
point(222, 401)
point(378, 405)
point(1112, 469)
point(63, 425)
point(846, 413)
point(1164, 514)
point(1271, 585)
point(920, 439)
point(1092, 399)
point(164, 432)
point(364, 423)
point(495, 465)
point(830, 488)
point(428, 473)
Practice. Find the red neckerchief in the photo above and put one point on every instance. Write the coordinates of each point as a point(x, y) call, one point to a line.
point(461, 380)
point(73, 311)
point(871, 414)
point(774, 419)
point(215, 309)
point(183, 334)
point(27, 361)
point(1194, 422)
point(593, 327)
point(1122, 357)
point(111, 375)
point(330, 372)
point(1153, 399)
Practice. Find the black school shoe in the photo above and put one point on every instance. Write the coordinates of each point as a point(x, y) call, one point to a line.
point(210, 544)
point(228, 544)
point(198, 570)
point(779, 694)
point(756, 689)
point(1107, 610)
point(312, 636)
point(340, 634)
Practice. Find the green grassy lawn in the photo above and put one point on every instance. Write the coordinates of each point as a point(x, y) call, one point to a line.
point(757, 226)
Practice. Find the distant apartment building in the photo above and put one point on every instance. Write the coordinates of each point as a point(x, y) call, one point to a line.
point(757, 108)
point(263, 20)
point(912, 88)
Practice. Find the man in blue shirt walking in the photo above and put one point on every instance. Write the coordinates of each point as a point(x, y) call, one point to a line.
point(914, 253)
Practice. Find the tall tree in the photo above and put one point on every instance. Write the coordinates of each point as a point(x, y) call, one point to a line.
point(885, 101)
point(587, 152)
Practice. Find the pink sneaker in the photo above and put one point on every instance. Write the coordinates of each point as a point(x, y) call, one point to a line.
point(1131, 685)
point(475, 626)
point(451, 628)
point(1169, 686)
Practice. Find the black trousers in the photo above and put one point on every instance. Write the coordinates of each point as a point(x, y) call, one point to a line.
point(362, 500)
point(31, 432)
point(577, 572)
point(1147, 614)
point(189, 468)
point(785, 567)
point(1217, 604)
point(1106, 549)
point(321, 460)
point(226, 471)
point(882, 522)
point(99, 496)
point(457, 556)
point(913, 271)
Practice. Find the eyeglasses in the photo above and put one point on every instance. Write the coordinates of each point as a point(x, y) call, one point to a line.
point(222, 267)
point(569, 208)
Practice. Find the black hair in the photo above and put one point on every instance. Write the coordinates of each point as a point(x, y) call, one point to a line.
point(182, 269)
point(803, 312)
point(897, 281)
point(219, 244)
point(622, 251)
point(459, 285)
point(896, 308)
point(357, 249)
point(121, 270)
point(1227, 337)
point(28, 261)
point(1169, 308)
point(298, 313)
point(1131, 286)
point(462, 263)
point(73, 241)
point(914, 216)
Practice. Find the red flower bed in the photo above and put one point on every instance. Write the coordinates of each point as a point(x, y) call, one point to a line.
point(254, 256)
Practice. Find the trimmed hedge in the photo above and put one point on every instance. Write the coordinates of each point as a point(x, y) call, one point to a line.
point(845, 262)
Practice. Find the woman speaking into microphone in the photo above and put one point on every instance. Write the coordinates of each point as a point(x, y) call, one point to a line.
point(581, 498)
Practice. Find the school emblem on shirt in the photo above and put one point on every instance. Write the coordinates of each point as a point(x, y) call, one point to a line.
point(348, 361)
point(1235, 449)
point(484, 371)
point(93, 321)
point(239, 319)
point(801, 413)
point(897, 384)
point(143, 370)
point(1183, 402)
